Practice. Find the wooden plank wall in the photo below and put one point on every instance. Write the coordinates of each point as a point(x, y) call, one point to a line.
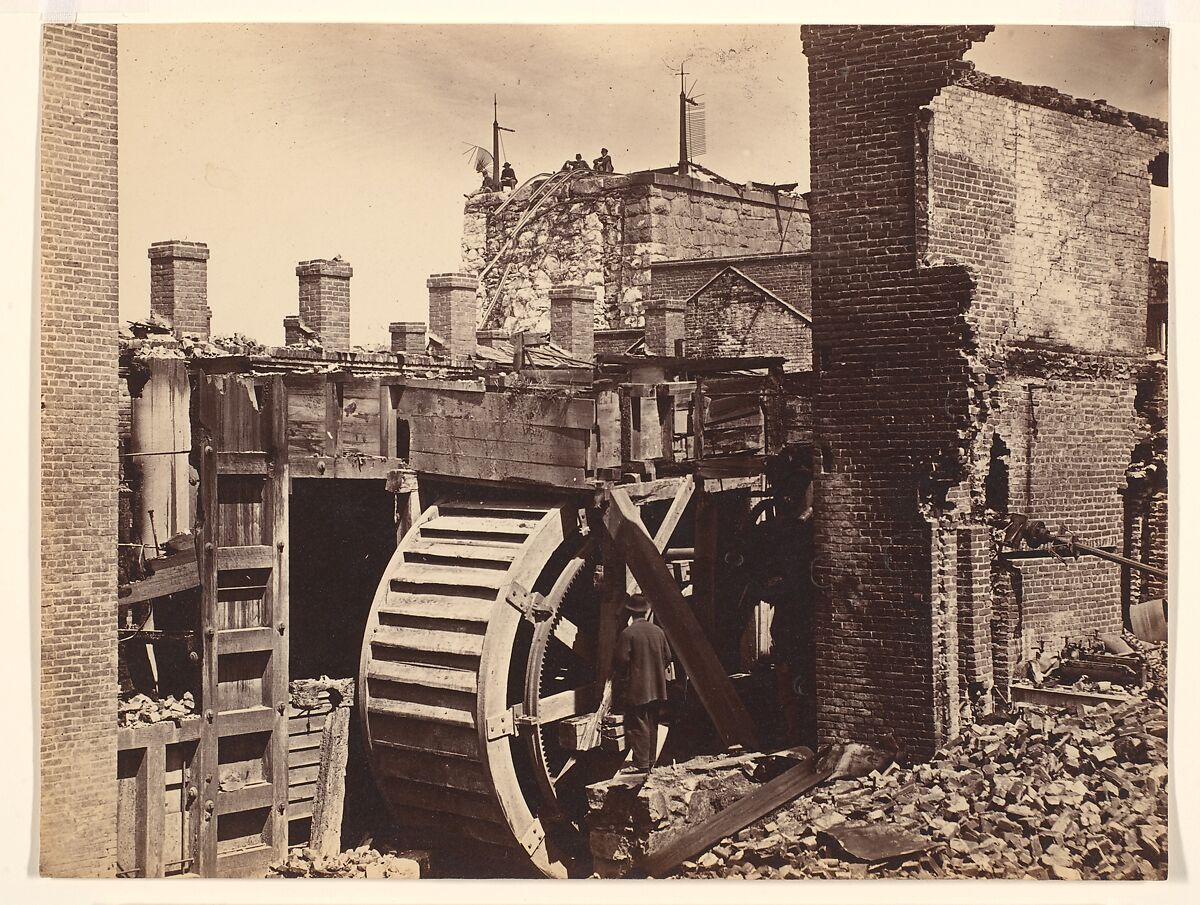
point(462, 430)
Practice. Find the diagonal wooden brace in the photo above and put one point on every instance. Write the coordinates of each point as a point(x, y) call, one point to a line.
point(672, 612)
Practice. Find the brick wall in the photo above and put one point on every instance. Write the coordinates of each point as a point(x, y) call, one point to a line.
point(78, 671)
point(979, 291)
point(1050, 211)
point(733, 315)
point(890, 393)
point(788, 276)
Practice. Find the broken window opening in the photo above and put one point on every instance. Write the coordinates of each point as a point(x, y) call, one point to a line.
point(995, 484)
point(403, 438)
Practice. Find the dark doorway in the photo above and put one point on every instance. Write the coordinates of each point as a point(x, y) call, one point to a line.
point(343, 533)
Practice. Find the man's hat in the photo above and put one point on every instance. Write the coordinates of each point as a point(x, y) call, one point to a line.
point(637, 603)
point(604, 150)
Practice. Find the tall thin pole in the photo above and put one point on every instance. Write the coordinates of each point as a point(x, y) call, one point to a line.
point(495, 144)
point(683, 147)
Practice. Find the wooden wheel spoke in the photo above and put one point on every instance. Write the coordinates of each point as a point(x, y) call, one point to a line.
point(562, 704)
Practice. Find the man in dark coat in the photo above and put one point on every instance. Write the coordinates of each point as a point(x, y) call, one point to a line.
point(642, 656)
point(508, 177)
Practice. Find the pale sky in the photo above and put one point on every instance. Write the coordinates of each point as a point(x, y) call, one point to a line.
point(279, 143)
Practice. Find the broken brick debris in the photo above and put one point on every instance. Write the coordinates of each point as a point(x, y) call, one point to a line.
point(142, 710)
point(364, 862)
point(1031, 793)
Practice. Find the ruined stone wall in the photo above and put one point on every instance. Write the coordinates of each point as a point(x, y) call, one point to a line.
point(1050, 213)
point(892, 391)
point(79, 475)
point(606, 232)
point(734, 316)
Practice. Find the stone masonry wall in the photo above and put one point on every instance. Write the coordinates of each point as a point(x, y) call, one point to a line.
point(789, 276)
point(79, 475)
point(891, 394)
point(734, 316)
point(607, 231)
point(1050, 211)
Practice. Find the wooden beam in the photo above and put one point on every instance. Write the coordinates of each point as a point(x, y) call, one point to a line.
point(329, 800)
point(352, 467)
point(704, 564)
point(207, 764)
point(774, 794)
point(611, 603)
point(278, 499)
point(662, 537)
point(168, 580)
point(643, 492)
point(672, 612)
point(151, 811)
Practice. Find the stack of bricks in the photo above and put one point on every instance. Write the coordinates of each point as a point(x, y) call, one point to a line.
point(325, 301)
point(78, 657)
point(408, 337)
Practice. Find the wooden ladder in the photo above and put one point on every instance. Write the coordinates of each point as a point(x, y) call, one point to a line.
point(243, 555)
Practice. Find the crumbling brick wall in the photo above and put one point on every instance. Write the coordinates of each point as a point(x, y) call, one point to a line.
point(78, 656)
point(979, 310)
point(733, 315)
point(1048, 205)
point(891, 392)
point(607, 232)
point(789, 276)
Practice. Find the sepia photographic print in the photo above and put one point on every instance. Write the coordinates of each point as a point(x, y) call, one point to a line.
point(534, 451)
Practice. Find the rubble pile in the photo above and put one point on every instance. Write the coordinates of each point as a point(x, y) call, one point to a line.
point(363, 862)
point(1027, 794)
point(143, 710)
point(629, 817)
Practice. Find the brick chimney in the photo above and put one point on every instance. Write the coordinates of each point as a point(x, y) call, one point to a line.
point(408, 337)
point(179, 286)
point(325, 301)
point(664, 326)
point(573, 319)
point(452, 311)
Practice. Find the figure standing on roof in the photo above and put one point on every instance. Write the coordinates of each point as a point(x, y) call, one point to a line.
point(603, 163)
point(508, 178)
point(642, 655)
point(577, 164)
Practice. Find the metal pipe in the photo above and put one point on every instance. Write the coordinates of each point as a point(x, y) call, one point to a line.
point(1117, 558)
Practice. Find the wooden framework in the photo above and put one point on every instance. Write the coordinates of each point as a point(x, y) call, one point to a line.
point(242, 760)
point(672, 430)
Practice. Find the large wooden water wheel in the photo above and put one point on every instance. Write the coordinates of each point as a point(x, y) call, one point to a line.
point(479, 643)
